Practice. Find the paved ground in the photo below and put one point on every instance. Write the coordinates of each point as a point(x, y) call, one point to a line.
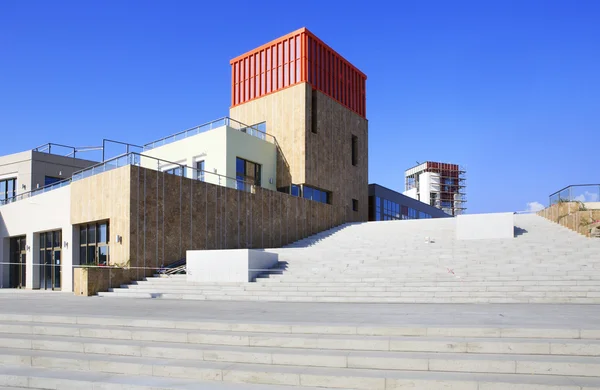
point(432, 315)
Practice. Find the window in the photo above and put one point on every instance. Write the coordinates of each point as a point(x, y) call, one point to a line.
point(313, 113)
point(94, 241)
point(48, 180)
point(316, 194)
point(8, 189)
point(355, 204)
point(378, 209)
point(200, 170)
point(177, 171)
point(423, 215)
point(354, 150)
point(295, 190)
point(247, 173)
point(391, 210)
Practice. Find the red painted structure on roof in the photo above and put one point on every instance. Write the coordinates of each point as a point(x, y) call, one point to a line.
point(296, 58)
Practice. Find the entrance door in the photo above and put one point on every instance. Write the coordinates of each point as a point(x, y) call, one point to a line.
point(18, 258)
point(50, 256)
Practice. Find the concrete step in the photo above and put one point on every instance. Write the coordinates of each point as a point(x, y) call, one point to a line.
point(22, 377)
point(354, 378)
point(40, 324)
point(89, 339)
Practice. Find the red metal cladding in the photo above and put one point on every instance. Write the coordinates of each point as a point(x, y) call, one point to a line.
point(296, 58)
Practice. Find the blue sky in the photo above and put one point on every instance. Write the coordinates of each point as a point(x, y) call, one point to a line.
point(509, 89)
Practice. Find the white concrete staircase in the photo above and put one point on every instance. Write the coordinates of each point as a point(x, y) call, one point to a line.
point(392, 262)
point(76, 352)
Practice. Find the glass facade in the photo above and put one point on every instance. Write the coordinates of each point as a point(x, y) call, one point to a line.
point(8, 189)
point(387, 210)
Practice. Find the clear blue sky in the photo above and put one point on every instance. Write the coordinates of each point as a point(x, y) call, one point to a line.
point(510, 89)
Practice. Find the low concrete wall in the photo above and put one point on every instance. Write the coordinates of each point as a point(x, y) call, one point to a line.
point(485, 226)
point(90, 281)
point(230, 265)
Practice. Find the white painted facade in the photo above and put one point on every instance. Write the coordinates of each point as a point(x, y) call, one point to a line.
point(218, 148)
point(29, 217)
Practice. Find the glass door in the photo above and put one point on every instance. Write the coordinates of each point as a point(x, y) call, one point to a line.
point(18, 257)
point(50, 257)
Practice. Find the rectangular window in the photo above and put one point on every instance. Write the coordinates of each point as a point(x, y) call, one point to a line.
point(8, 189)
point(355, 204)
point(200, 170)
point(177, 171)
point(314, 113)
point(247, 173)
point(51, 180)
point(316, 194)
point(94, 243)
point(354, 150)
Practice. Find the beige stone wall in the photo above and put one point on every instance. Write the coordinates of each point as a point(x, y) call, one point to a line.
point(329, 150)
point(91, 281)
point(165, 215)
point(285, 114)
point(170, 215)
point(571, 215)
point(105, 196)
point(321, 159)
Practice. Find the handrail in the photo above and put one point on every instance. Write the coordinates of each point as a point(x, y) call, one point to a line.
point(29, 194)
point(224, 121)
point(133, 158)
point(557, 197)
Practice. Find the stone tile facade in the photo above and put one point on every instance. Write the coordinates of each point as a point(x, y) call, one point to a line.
point(160, 216)
point(321, 158)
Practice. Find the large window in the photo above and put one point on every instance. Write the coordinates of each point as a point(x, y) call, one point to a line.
point(247, 173)
point(378, 208)
point(8, 189)
point(94, 243)
point(316, 194)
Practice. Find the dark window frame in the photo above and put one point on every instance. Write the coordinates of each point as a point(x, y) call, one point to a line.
point(354, 150)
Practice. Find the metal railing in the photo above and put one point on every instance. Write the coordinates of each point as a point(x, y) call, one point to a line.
point(225, 121)
point(59, 150)
point(143, 161)
point(37, 191)
point(169, 167)
point(576, 193)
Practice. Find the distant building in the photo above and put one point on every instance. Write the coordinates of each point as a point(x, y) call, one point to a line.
point(386, 205)
point(441, 185)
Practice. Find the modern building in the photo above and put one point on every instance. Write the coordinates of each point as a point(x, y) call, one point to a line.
point(387, 205)
point(292, 163)
point(441, 185)
point(314, 103)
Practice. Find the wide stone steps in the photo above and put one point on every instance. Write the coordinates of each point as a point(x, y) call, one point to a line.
point(392, 262)
point(64, 352)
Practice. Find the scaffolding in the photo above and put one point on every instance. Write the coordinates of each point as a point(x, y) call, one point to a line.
point(441, 185)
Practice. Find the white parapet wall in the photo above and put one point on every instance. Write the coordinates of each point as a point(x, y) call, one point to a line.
point(228, 265)
point(485, 226)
